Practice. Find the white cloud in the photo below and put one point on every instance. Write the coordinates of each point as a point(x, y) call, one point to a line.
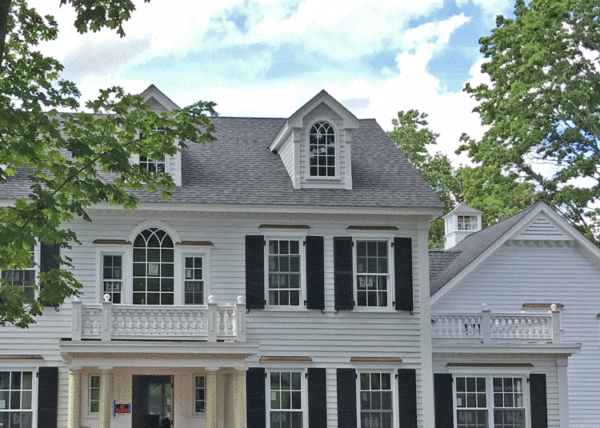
point(490, 7)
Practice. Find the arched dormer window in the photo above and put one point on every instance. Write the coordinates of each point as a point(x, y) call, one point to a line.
point(322, 150)
point(153, 268)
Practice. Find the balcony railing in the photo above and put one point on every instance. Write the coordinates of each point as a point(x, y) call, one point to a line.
point(498, 327)
point(210, 322)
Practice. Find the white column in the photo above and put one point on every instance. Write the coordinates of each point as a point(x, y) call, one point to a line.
point(106, 395)
point(211, 398)
point(563, 392)
point(74, 415)
point(239, 399)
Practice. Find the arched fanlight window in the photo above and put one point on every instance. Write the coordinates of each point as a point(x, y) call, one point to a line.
point(153, 269)
point(322, 150)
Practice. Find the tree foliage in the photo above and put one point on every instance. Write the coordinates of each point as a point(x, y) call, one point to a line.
point(543, 104)
point(413, 137)
point(73, 160)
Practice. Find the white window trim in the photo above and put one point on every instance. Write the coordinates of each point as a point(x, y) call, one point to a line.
point(35, 268)
point(394, 387)
point(489, 375)
point(34, 387)
point(180, 255)
point(126, 253)
point(304, 386)
point(283, 236)
point(87, 392)
point(336, 132)
point(194, 413)
point(391, 274)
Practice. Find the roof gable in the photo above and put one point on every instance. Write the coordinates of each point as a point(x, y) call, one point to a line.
point(538, 222)
point(157, 100)
point(350, 121)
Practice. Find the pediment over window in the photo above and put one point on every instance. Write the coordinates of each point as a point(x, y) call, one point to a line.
point(315, 144)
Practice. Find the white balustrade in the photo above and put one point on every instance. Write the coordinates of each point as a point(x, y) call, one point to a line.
point(210, 322)
point(486, 327)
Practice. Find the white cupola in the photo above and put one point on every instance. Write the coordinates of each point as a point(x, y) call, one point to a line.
point(460, 223)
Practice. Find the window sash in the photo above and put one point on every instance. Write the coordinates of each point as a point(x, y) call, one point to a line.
point(284, 279)
point(322, 150)
point(193, 282)
point(373, 286)
point(17, 398)
point(94, 394)
point(498, 401)
point(200, 394)
point(112, 277)
point(286, 401)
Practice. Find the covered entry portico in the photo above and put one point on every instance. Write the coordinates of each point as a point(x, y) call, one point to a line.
point(207, 383)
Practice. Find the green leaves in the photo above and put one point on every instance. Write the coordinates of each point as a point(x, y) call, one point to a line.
point(72, 160)
point(543, 106)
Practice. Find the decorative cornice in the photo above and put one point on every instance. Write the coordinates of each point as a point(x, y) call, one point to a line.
point(20, 357)
point(196, 243)
point(371, 228)
point(285, 359)
point(112, 242)
point(499, 365)
point(284, 226)
point(375, 360)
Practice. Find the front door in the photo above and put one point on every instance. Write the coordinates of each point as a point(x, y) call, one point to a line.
point(152, 401)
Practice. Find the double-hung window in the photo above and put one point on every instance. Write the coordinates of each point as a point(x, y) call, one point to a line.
point(467, 222)
point(153, 268)
point(94, 394)
point(490, 401)
point(23, 277)
point(199, 394)
point(112, 276)
point(376, 400)
point(16, 399)
point(284, 279)
point(373, 286)
point(286, 401)
point(193, 280)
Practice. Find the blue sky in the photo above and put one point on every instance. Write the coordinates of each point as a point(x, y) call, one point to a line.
point(266, 58)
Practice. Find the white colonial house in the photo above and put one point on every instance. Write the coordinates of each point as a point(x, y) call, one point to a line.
point(508, 303)
point(285, 284)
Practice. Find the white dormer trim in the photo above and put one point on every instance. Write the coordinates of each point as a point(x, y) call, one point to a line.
point(292, 143)
point(153, 96)
point(153, 92)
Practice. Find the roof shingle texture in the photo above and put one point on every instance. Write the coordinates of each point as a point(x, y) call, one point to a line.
point(445, 265)
point(239, 169)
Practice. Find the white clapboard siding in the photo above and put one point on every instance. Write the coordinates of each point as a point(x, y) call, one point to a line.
point(330, 339)
point(541, 227)
point(548, 274)
point(287, 157)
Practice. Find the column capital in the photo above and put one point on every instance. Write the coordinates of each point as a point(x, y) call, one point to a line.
point(75, 370)
point(212, 368)
point(105, 369)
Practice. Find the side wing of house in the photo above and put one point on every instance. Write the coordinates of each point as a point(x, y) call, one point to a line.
point(540, 261)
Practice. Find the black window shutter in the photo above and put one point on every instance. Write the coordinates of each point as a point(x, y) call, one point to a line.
point(317, 404)
point(255, 398)
point(342, 276)
point(255, 272)
point(403, 274)
point(315, 273)
point(346, 398)
point(407, 397)
point(442, 390)
point(539, 407)
point(49, 255)
point(47, 397)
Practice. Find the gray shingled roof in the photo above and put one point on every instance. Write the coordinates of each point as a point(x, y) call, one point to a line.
point(238, 168)
point(445, 265)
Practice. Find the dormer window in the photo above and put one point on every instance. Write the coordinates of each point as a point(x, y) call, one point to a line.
point(152, 165)
point(467, 222)
point(322, 150)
